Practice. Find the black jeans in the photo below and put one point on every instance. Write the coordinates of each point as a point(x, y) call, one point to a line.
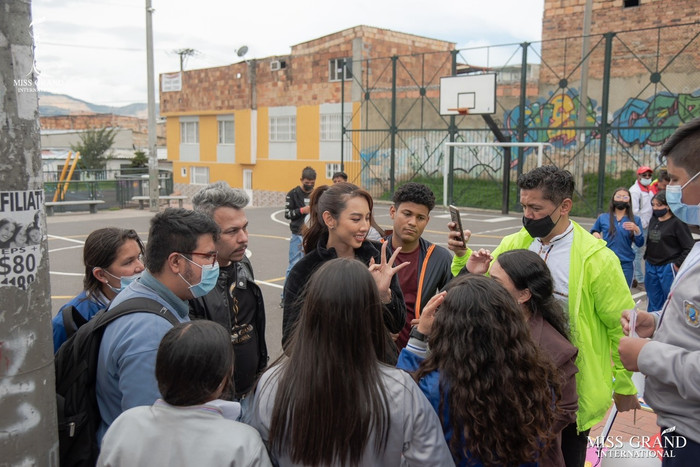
point(679, 451)
point(574, 445)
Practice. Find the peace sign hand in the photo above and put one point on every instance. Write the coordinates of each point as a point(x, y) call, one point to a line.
point(384, 271)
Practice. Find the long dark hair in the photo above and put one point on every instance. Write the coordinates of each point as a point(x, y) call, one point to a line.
point(330, 394)
point(497, 386)
point(100, 251)
point(628, 212)
point(528, 271)
point(193, 359)
point(332, 199)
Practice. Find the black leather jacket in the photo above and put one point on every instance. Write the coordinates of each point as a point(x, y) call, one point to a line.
point(394, 313)
point(215, 307)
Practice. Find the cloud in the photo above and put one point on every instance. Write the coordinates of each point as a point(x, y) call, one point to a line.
point(95, 51)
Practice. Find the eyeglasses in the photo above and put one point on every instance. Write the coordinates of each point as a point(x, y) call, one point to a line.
point(211, 256)
point(646, 175)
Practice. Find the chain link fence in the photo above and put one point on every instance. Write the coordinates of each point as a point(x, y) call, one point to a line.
point(604, 103)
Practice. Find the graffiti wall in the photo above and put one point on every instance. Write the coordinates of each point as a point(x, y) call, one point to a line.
point(639, 123)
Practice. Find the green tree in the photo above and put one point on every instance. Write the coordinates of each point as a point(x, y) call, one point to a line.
point(93, 147)
point(139, 160)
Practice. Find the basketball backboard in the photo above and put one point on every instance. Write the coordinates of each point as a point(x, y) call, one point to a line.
point(468, 94)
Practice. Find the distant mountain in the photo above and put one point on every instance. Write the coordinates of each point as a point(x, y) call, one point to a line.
point(51, 104)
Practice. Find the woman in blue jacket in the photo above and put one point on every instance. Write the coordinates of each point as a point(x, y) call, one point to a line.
point(113, 258)
point(619, 227)
point(493, 389)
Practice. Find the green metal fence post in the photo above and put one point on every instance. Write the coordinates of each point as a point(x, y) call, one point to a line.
point(452, 130)
point(342, 118)
point(521, 119)
point(604, 127)
point(392, 130)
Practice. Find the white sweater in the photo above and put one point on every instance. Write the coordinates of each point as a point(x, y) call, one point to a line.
point(165, 435)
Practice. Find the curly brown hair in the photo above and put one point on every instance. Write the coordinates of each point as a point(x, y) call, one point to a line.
point(499, 391)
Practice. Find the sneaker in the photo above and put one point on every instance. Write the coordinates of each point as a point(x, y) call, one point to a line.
point(634, 283)
point(282, 303)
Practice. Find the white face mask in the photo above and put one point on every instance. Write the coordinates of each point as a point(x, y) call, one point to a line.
point(124, 281)
point(690, 214)
point(645, 181)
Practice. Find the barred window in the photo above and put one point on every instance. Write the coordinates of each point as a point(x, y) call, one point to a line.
point(283, 129)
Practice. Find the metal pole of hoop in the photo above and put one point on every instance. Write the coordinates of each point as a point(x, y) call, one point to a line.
point(540, 156)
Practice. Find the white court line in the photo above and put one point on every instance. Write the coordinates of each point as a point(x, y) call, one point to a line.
point(274, 219)
point(639, 295)
point(277, 286)
point(66, 248)
point(66, 239)
point(496, 230)
point(498, 219)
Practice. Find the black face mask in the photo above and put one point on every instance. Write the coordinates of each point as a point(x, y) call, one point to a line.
point(308, 188)
point(539, 228)
point(621, 205)
point(659, 212)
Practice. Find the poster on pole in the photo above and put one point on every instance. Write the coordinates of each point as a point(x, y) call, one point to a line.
point(22, 230)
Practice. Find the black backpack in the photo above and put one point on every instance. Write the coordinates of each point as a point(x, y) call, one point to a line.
point(76, 374)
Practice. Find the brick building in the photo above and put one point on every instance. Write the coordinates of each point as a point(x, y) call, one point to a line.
point(138, 127)
point(60, 132)
point(649, 49)
point(257, 123)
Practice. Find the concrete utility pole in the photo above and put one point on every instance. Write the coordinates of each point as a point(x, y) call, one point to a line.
point(28, 434)
point(152, 141)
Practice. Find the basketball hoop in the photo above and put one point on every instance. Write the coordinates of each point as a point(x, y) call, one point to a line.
point(460, 110)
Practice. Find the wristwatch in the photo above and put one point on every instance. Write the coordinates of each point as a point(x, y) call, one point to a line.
point(417, 334)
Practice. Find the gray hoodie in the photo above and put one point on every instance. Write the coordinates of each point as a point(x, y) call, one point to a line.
point(671, 361)
point(415, 436)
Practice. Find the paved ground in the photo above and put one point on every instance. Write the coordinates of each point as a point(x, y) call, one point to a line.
point(268, 247)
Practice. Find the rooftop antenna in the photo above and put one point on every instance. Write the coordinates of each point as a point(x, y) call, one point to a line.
point(184, 54)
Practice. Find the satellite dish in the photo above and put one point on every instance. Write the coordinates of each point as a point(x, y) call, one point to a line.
point(242, 50)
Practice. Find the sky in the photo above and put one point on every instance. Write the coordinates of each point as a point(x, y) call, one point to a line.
point(95, 50)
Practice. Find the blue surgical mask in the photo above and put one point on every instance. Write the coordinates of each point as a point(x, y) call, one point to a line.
point(686, 213)
point(210, 274)
point(124, 281)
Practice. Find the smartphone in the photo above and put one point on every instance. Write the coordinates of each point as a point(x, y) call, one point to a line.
point(457, 219)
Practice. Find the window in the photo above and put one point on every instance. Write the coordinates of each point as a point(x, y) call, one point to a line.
point(226, 134)
point(331, 126)
point(630, 3)
point(331, 169)
point(199, 175)
point(189, 132)
point(283, 128)
point(335, 68)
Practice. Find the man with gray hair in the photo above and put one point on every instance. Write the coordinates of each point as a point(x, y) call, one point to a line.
point(236, 301)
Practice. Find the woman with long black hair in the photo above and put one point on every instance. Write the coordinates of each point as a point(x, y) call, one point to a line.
point(340, 218)
point(331, 401)
point(494, 390)
point(621, 229)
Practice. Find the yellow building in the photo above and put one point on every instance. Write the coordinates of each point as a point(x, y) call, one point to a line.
point(257, 123)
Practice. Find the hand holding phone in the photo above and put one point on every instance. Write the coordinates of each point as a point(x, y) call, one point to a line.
point(457, 220)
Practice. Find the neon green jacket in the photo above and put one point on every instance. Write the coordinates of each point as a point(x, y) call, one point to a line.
point(598, 293)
